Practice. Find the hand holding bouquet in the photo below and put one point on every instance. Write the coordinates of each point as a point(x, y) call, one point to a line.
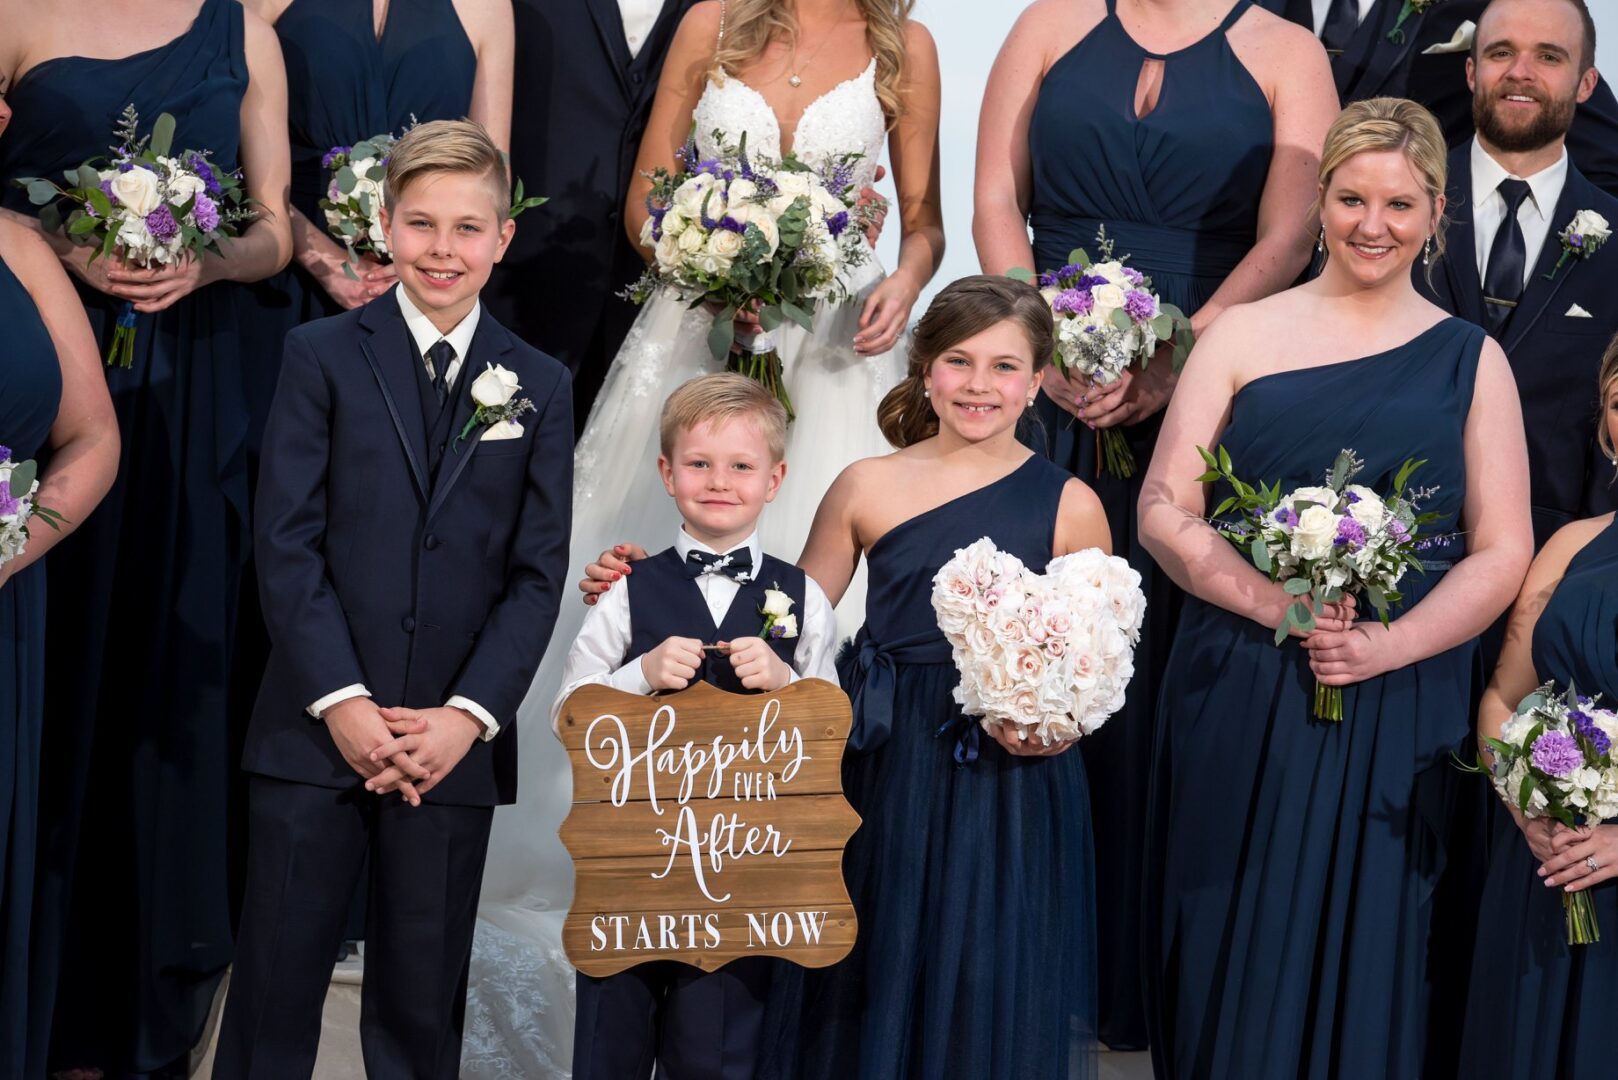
point(1554, 759)
point(1320, 542)
point(739, 234)
point(1048, 655)
point(18, 485)
point(1108, 318)
point(145, 206)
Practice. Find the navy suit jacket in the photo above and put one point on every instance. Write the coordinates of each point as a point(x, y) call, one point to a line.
point(1556, 357)
point(372, 572)
point(1373, 66)
point(580, 106)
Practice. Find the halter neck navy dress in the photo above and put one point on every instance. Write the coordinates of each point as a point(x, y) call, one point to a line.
point(1291, 861)
point(1177, 190)
point(146, 588)
point(30, 393)
point(972, 881)
point(345, 83)
point(1539, 1006)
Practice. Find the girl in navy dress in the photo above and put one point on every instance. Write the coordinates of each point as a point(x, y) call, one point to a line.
point(1191, 130)
point(132, 904)
point(1291, 861)
point(54, 409)
point(1539, 1006)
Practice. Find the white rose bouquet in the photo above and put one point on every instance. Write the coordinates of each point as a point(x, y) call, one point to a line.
point(1107, 318)
point(1321, 541)
point(738, 233)
point(1048, 654)
point(1554, 759)
point(145, 206)
point(18, 486)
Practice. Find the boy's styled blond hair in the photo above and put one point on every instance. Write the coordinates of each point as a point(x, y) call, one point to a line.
point(447, 146)
point(711, 399)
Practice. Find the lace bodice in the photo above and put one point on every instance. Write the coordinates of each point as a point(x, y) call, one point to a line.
point(847, 119)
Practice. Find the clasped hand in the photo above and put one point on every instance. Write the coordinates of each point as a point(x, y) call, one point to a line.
point(1136, 394)
point(1343, 652)
point(149, 289)
point(1565, 859)
point(405, 750)
point(673, 664)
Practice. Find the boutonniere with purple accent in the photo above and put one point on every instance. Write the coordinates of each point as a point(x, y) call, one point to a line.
point(779, 622)
point(1410, 7)
point(498, 406)
point(1582, 238)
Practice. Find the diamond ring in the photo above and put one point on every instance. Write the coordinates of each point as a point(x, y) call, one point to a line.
point(1590, 861)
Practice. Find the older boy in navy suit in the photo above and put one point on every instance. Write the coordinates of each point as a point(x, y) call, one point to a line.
point(698, 612)
point(413, 518)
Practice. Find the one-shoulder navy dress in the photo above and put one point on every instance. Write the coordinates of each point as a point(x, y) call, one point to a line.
point(132, 893)
point(972, 881)
point(1537, 1005)
point(1178, 191)
point(1291, 861)
point(30, 393)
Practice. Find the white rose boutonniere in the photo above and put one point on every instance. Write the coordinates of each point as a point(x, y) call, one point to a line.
point(778, 620)
point(1582, 238)
point(495, 393)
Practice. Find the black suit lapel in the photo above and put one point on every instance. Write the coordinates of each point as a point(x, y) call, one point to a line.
point(609, 23)
point(1459, 263)
point(1383, 57)
point(388, 350)
point(489, 345)
point(1540, 289)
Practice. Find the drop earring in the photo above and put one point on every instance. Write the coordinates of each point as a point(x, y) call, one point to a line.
point(1320, 241)
point(926, 393)
point(1427, 252)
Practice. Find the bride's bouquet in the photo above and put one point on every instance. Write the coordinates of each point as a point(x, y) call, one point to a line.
point(1320, 542)
point(740, 233)
point(1048, 655)
point(144, 205)
point(1554, 759)
point(18, 486)
point(1107, 318)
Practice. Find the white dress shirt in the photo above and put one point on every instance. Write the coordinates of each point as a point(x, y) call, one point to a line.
point(1533, 216)
point(426, 335)
point(600, 654)
point(1322, 7)
point(639, 16)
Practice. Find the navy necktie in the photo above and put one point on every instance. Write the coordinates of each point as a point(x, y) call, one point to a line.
point(440, 356)
point(737, 565)
point(1508, 260)
point(1342, 19)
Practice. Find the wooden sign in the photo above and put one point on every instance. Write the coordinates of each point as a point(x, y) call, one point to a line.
point(707, 826)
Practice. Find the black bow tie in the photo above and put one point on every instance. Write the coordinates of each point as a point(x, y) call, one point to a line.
point(738, 565)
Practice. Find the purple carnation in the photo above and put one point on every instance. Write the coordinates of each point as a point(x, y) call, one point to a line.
point(1397, 530)
point(837, 223)
point(161, 224)
point(5, 454)
point(1139, 306)
point(1350, 533)
point(1135, 276)
point(1287, 516)
point(1587, 730)
point(1047, 280)
point(8, 505)
point(332, 155)
point(204, 170)
point(205, 213)
point(106, 189)
point(1557, 754)
point(1073, 302)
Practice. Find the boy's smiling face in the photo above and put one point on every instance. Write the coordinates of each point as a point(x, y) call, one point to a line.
point(721, 476)
point(445, 233)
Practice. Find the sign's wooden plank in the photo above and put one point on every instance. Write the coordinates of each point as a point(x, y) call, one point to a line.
point(821, 822)
point(820, 774)
point(818, 936)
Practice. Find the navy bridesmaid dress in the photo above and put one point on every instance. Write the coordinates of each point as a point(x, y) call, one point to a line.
point(132, 908)
point(30, 391)
point(1539, 1006)
point(971, 872)
point(1177, 190)
point(345, 83)
point(1291, 861)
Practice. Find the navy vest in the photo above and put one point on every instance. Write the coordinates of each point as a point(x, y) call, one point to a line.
point(665, 602)
point(437, 422)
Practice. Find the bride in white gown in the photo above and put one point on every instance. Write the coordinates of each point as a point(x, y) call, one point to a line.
point(854, 73)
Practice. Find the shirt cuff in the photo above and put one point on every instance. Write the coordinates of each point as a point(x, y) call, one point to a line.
point(353, 690)
point(491, 726)
point(630, 679)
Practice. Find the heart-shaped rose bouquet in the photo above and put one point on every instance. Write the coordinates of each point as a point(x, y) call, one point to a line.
point(1050, 654)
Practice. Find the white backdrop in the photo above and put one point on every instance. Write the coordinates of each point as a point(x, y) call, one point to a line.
point(969, 34)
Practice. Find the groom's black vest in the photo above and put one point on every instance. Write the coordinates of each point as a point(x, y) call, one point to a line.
point(665, 602)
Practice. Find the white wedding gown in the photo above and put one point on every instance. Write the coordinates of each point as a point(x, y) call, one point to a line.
point(519, 1020)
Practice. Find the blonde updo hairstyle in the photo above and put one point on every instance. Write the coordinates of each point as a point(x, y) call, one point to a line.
point(1377, 125)
point(750, 25)
point(964, 309)
point(1607, 381)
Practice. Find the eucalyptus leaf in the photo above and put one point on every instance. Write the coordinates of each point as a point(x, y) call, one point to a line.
point(1021, 273)
point(770, 317)
point(1079, 257)
point(50, 218)
point(797, 315)
point(41, 192)
point(723, 334)
point(1296, 586)
point(1162, 326)
point(1261, 554)
point(22, 478)
point(346, 180)
point(87, 178)
point(163, 135)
